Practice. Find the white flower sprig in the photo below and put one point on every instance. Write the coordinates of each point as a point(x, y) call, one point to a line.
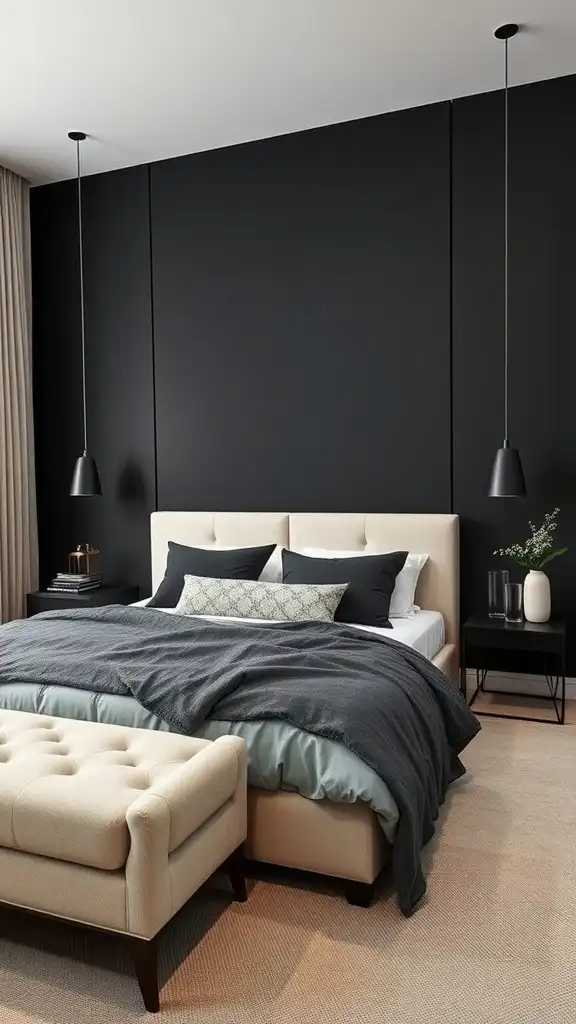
point(538, 550)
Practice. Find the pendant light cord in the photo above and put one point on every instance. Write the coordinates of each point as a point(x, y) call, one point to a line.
point(506, 243)
point(82, 327)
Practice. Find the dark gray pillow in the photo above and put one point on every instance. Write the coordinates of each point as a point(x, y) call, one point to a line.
point(371, 580)
point(235, 564)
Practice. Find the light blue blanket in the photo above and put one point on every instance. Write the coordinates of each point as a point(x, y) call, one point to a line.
point(281, 757)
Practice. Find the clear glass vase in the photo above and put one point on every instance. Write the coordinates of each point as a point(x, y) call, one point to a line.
point(513, 598)
point(497, 580)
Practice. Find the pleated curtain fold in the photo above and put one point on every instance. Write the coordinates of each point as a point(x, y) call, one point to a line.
point(18, 533)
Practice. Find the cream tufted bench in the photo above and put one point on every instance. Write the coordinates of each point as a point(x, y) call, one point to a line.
point(116, 828)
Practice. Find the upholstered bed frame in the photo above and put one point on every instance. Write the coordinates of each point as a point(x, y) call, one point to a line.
point(341, 840)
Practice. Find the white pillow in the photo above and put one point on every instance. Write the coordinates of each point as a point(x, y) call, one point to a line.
point(272, 571)
point(402, 601)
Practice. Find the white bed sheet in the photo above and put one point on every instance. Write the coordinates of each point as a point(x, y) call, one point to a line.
point(424, 633)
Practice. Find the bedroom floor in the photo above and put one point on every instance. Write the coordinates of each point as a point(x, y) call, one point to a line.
point(496, 939)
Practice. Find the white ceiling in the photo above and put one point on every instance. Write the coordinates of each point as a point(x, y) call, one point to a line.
point(149, 79)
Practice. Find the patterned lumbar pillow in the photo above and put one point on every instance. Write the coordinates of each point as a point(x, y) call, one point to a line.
point(251, 599)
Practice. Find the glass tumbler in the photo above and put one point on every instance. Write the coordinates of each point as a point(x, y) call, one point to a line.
point(513, 598)
point(497, 580)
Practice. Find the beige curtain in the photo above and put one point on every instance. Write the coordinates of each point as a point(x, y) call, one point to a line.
point(18, 539)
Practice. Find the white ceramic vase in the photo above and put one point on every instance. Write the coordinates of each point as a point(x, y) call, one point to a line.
point(537, 604)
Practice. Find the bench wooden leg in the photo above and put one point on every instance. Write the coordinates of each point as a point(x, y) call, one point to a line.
point(359, 894)
point(146, 967)
point(235, 868)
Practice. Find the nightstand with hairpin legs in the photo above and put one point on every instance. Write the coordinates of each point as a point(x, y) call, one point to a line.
point(483, 638)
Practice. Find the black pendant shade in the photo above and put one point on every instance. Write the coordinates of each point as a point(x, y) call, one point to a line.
point(85, 481)
point(507, 480)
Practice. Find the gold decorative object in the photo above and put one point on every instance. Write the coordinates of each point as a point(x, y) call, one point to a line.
point(85, 560)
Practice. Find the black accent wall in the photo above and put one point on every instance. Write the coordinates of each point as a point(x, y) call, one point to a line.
point(542, 326)
point(302, 320)
point(119, 365)
point(315, 322)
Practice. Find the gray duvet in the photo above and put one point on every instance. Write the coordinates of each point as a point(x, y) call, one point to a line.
point(382, 700)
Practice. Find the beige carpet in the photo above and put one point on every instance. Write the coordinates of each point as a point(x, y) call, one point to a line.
point(495, 940)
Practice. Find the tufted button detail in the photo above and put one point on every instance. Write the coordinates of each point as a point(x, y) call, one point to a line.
point(57, 775)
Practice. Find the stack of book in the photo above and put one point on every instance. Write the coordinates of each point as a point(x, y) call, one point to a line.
point(75, 583)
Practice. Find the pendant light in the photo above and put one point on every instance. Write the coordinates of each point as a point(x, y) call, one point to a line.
point(85, 479)
point(507, 480)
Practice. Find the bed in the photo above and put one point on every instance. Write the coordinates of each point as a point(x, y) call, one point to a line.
point(320, 827)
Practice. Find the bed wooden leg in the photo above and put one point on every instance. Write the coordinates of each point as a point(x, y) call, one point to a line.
point(359, 894)
point(235, 868)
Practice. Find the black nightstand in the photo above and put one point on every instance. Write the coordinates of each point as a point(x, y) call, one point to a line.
point(482, 637)
point(50, 600)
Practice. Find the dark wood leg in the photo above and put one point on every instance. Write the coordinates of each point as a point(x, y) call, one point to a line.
point(359, 894)
point(146, 967)
point(235, 868)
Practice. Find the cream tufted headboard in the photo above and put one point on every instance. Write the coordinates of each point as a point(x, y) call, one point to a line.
point(435, 535)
